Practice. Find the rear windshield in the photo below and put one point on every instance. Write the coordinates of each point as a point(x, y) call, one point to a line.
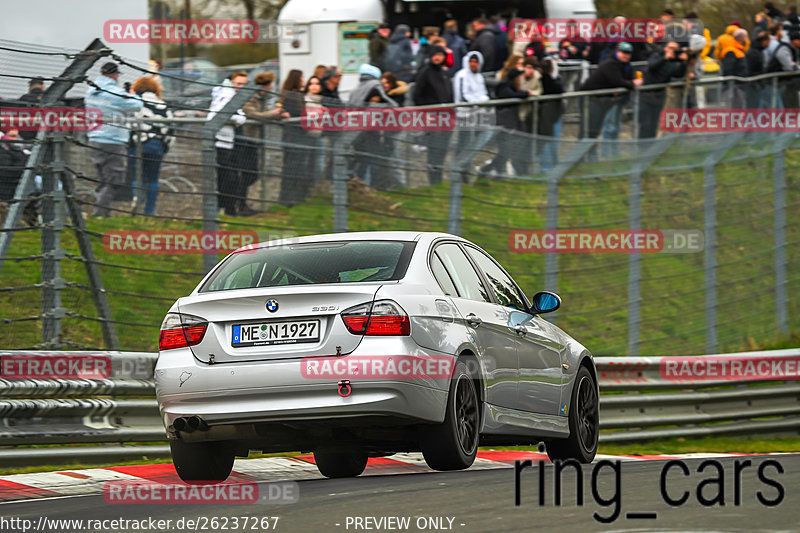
point(313, 263)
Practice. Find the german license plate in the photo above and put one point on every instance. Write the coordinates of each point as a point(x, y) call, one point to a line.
point(269, 333)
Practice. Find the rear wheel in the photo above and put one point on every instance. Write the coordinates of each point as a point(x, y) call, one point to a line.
point(340, 464)
point(201, 461)
point(584, 423)
point(453, 444)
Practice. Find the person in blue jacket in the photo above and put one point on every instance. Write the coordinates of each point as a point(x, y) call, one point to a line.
point(108, 143)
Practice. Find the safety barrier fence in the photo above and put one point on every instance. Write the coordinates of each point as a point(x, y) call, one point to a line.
point(643, 398)
point(63, 287)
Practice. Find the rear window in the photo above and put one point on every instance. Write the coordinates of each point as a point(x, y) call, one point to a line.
point(313, 263)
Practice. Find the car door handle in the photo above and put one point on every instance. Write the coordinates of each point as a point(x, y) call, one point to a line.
point(474, 320)
point(521, 330)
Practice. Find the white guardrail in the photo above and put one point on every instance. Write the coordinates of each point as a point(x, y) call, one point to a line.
point(644, 398)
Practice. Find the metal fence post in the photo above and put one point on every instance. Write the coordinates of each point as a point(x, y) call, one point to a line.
point(635, 222)
point(710, 230)
point(209, 160)
point(339, 145)
point(779, 187)
point(52, 253)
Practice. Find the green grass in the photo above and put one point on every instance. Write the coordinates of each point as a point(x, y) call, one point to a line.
point(593, 286)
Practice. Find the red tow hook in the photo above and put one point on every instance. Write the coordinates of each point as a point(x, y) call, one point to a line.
point(344, 388)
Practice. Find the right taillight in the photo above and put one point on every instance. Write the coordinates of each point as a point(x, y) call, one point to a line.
point(380, 318)
point(180, 331)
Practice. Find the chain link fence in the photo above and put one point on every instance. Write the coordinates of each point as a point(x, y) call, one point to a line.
point(63, 286)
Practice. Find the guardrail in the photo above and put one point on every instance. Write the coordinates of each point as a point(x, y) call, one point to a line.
point(645, 398)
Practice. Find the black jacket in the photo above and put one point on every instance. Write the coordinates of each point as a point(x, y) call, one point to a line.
point(734, 66)
point(754, 57)
point(433, 86)
point(377, 50)
point(609, 74)
point(549, 110)
point(663, 70)
point(484, 42)
point(508, 115)
point(12, 164)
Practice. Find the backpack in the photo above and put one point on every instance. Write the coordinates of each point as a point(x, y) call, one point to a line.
point(773, 65)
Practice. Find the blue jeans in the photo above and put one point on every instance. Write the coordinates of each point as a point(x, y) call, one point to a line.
point(549, 150)
point(152, 155)
point(611, 128)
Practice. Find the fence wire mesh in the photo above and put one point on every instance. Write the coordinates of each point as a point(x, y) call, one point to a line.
point(277, 179)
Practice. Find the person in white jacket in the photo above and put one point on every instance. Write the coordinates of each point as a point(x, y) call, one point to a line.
point(227, 173)
point(470, 86)
point(468, 83)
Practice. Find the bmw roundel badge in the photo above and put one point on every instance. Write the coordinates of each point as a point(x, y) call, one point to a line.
point(272, 305)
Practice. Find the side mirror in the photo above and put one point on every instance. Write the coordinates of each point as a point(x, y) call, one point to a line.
point(546, 302)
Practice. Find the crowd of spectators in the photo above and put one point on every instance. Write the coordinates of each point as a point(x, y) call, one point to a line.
point(470, 67)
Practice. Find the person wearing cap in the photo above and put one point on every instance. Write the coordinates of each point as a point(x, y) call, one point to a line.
point(434, 86)
point(378, 43)
point(109, 143)
point(614, 72)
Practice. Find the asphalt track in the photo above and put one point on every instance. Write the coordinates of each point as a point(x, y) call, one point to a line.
point(484, 500)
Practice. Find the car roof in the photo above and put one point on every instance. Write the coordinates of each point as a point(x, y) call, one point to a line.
point(413, 236)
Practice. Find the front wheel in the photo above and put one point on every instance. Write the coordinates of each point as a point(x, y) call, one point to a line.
point(453, 444)
point(200, 462)
point(584, 422)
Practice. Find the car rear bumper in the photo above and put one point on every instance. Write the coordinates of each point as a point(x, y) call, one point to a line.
point(277, 391)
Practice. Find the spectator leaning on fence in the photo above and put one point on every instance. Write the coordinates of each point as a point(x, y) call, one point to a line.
point(366, 145)
point(531, 80)
point(434, 86)
point(735, 64)
point(550, 111)
point(154, 138)
point(510, 146)
point(395, 88)
point(615, 71)
point(227, 166)
point(108, 143)
point(258, 108)
point(296, 178)
point(777, 58)
point(663, 66)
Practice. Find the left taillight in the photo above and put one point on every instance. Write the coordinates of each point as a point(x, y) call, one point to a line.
point(179, 331)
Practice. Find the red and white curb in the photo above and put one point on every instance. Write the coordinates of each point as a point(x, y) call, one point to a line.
point(20, 487)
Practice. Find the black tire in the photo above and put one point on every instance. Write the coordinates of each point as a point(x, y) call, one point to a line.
point(340, 464)
point(453, 444)
point(584, 422)
point(198, 462)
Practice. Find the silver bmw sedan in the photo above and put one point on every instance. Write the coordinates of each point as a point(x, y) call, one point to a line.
point(362, 345)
